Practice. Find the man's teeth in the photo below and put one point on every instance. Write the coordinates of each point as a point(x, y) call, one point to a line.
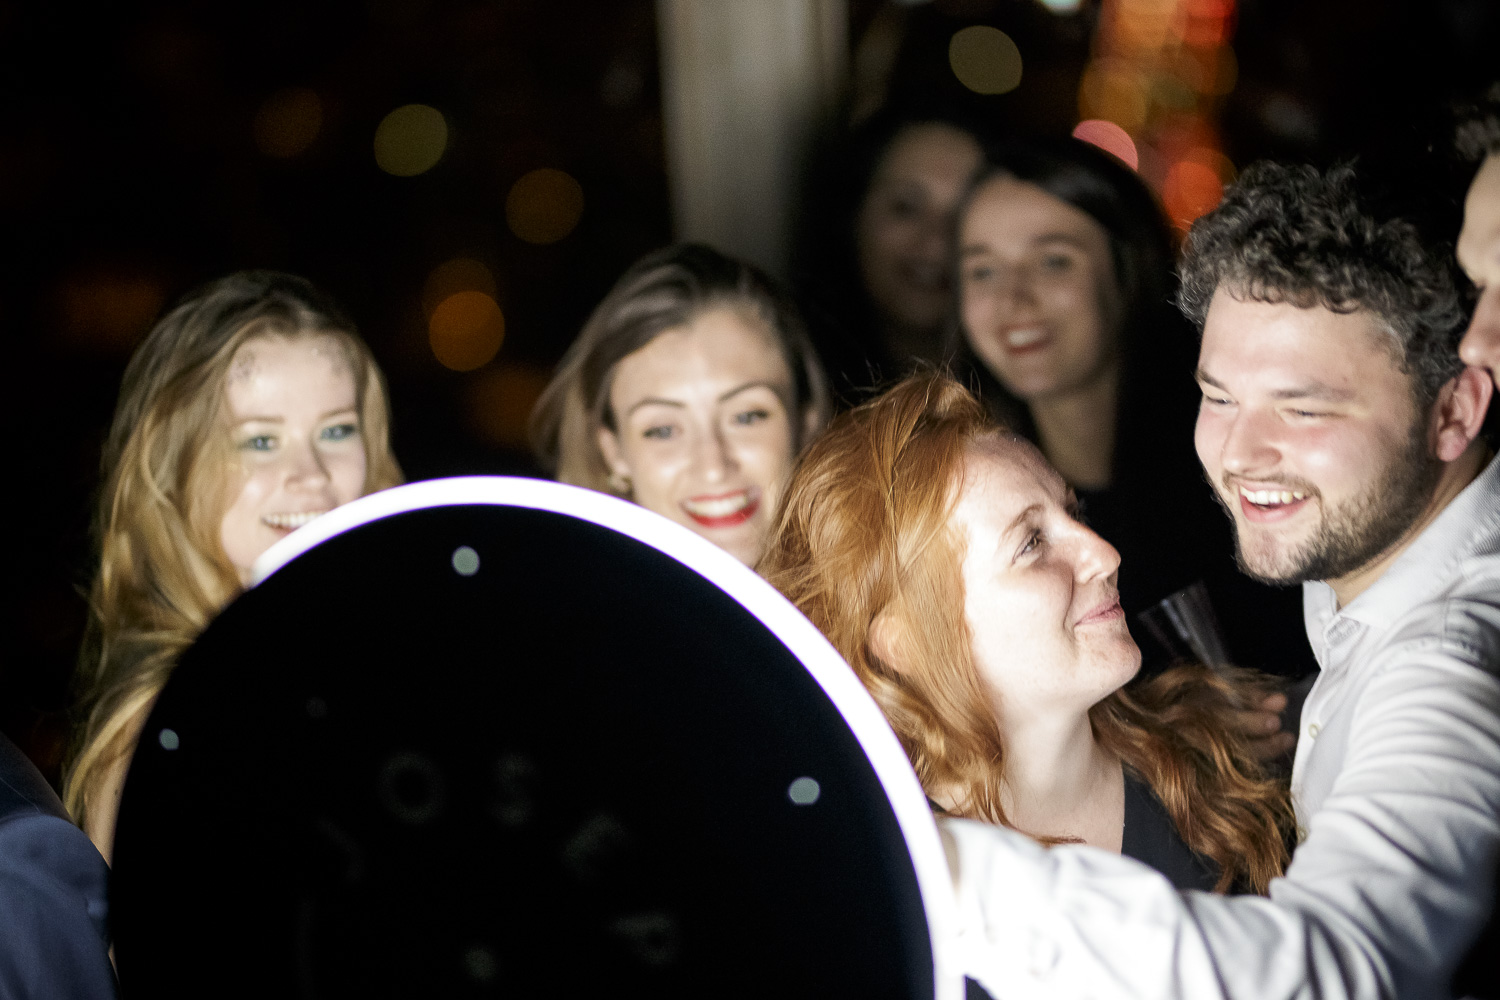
point(718, 506)
point(1270, 498)
point(290, 522)
point(1024, 338)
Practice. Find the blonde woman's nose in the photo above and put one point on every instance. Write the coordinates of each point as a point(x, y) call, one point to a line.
point(306, 466)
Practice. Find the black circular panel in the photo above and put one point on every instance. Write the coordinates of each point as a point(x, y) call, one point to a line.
point(494, 751)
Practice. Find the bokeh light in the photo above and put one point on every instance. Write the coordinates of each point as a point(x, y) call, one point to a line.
point(500, 400)
point(410, 140)
point(466, 330)
point(985, 59)
point(1160, 70)
point(1116, 91)
point(288, 122)
point(1111, 138)
point(544, 206)
point(109, 311)
point(1063, 6)
point(1194, 184)
point(461, 274)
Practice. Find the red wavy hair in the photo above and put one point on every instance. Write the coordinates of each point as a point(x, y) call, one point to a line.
point(863, 532)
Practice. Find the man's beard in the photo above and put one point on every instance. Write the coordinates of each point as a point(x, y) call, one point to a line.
point(1356, 532)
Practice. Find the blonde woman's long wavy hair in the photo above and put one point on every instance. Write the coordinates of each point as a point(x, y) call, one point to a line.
point(662, 291)
point(163, 574)
point(863, 532)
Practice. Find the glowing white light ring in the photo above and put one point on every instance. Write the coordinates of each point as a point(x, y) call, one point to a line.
point(756, 596)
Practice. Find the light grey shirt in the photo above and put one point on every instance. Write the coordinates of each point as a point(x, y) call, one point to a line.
point(1397, 791)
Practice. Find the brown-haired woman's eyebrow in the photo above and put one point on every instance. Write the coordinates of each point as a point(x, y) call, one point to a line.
point(757, 384)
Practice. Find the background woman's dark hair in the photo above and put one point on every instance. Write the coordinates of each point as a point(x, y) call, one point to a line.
point(1141, 251)
point(662, 291)
point(1477, 134)
point(825, 259)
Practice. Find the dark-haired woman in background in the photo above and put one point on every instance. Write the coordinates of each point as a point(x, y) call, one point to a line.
point(1067, 323)
point(875, 266)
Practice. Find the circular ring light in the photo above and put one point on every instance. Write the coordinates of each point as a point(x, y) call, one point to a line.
point(502, 736)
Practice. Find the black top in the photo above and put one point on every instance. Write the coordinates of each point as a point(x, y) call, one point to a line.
point(1151, 837)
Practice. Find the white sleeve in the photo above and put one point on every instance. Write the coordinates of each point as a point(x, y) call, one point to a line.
point(1392, 884)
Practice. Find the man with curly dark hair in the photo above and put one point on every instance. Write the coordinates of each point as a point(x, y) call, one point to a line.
point(1342, 435)
point(1294, 268)
point(1479, 242)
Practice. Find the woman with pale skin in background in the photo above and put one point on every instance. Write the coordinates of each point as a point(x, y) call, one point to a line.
point(250, 409)
point(944, 558)
point(689, 391)
point(876, 262)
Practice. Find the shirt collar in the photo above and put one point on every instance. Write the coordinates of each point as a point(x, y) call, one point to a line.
point(1468, 524)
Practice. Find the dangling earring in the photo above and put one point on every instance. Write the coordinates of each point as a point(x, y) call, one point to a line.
point(620, 483)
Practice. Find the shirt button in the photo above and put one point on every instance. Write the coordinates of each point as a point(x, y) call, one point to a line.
point(1313, 730)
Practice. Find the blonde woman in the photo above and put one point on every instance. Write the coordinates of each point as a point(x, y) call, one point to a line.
point(251, 408)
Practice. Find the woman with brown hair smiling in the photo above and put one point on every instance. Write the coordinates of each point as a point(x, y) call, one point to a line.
point(689, 391)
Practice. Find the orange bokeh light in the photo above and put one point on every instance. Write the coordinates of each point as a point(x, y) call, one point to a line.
point(500, 400)
point(109, 312)
point(466, 330)
point(288, 122)
point(461, 274)
point(544, 206)
point(1192, 187)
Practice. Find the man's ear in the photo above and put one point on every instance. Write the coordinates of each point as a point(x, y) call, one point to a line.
point(887, 635)
point(1459, 412)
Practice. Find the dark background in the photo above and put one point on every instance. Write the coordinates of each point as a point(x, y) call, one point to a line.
point(130, 172)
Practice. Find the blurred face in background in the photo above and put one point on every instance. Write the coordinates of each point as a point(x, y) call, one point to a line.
point(1479, 254)
point(703, 428)
point(295, 438)
point(906, 222)
point(1039, 302)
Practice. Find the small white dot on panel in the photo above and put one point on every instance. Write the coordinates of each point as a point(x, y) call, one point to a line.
point(804, 791)
point(465, 561)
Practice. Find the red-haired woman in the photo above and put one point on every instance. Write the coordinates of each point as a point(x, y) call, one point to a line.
point(944, 558)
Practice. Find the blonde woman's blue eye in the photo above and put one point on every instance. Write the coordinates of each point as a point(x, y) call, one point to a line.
point(661, 433)
point(261, 442)
point(339, 432)
point(752, 416)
